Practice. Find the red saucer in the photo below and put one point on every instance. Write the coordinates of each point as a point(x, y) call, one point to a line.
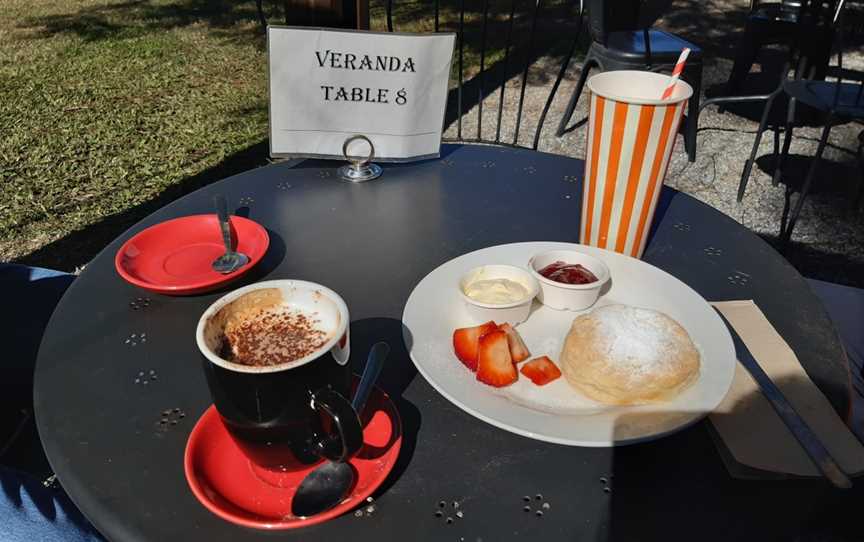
point(221, 477)
point(174, 257)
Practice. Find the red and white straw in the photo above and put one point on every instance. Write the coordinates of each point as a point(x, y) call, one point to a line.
point(679, 67)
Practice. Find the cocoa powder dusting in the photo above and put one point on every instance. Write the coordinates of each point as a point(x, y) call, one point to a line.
point(271, 336)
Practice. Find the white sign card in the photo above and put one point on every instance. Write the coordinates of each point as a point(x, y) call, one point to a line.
point(328, 85)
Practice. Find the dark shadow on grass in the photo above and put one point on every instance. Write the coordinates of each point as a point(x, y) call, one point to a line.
point(232, 20)
point(557, 25)
point(81, 246)
point(396, 376)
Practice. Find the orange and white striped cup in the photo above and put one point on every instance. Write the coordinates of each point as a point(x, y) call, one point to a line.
point(631, 132)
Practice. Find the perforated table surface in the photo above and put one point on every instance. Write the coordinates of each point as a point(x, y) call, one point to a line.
point(372, 243)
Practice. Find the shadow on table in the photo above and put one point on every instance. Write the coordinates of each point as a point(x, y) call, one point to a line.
point(396, 376)
point(674, 488)
point(832, 200)
point(663, 202)
point(678, 488)
point(331, 166)
point(818, 264)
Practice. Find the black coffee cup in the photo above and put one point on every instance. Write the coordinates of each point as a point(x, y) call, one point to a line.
point(289, 416)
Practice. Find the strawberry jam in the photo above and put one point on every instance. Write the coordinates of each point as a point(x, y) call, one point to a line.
point(567, 273)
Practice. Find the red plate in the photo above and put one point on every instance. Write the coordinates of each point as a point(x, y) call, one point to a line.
point(222, 478)
point(174, 257)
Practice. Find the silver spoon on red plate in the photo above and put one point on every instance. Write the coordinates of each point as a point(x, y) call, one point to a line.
point(327, 485)
point(232, 260)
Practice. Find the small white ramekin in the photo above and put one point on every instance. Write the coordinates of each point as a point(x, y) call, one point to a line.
point(511, 313)
point(568, 297)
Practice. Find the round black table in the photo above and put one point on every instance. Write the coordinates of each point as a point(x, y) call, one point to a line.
point(98, 406)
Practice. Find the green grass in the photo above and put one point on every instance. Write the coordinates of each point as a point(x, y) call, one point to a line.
point(103, 112)
point(111, 108)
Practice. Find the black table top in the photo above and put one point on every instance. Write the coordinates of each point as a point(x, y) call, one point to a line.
point(372, 243)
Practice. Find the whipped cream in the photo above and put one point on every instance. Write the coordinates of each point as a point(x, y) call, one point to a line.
point(496, 291)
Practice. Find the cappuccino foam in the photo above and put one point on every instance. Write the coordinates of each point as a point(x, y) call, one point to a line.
point(272, 336)
point(261, 330)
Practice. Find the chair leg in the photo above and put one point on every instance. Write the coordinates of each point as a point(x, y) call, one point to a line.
point(571, 105)
point(745, 56)
point(860, 196)
point(786, 232)
point(693, 114)
point(787, 142)
point(776, 151)
point(259, 5)
point(748, 165)
point(784, 216)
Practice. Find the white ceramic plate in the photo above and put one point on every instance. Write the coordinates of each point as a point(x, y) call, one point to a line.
point(556, 412)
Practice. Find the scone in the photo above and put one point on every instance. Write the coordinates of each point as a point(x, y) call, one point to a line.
point(621, 355)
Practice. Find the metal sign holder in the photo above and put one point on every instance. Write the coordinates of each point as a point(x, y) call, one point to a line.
point(359, 170)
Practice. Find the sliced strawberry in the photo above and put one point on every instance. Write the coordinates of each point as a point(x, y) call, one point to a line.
point(466, 341)
point(494, 364)
point(540, 370)
point(518, 351)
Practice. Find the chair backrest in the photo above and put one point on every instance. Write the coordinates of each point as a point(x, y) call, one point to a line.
point(790, 4)
point(842, 31)
point(607, 16)
point(827, 23)
point(494, 49)
point(829, 30)
point(809, 47)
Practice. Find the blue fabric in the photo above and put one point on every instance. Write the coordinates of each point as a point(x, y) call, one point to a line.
point(29, 512)
point(32, 293)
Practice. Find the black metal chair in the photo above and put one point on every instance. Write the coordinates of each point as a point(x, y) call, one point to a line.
point(767, 23)
point(806, 56)
point(623, 40)
point(799, 57)
point(839, 101)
